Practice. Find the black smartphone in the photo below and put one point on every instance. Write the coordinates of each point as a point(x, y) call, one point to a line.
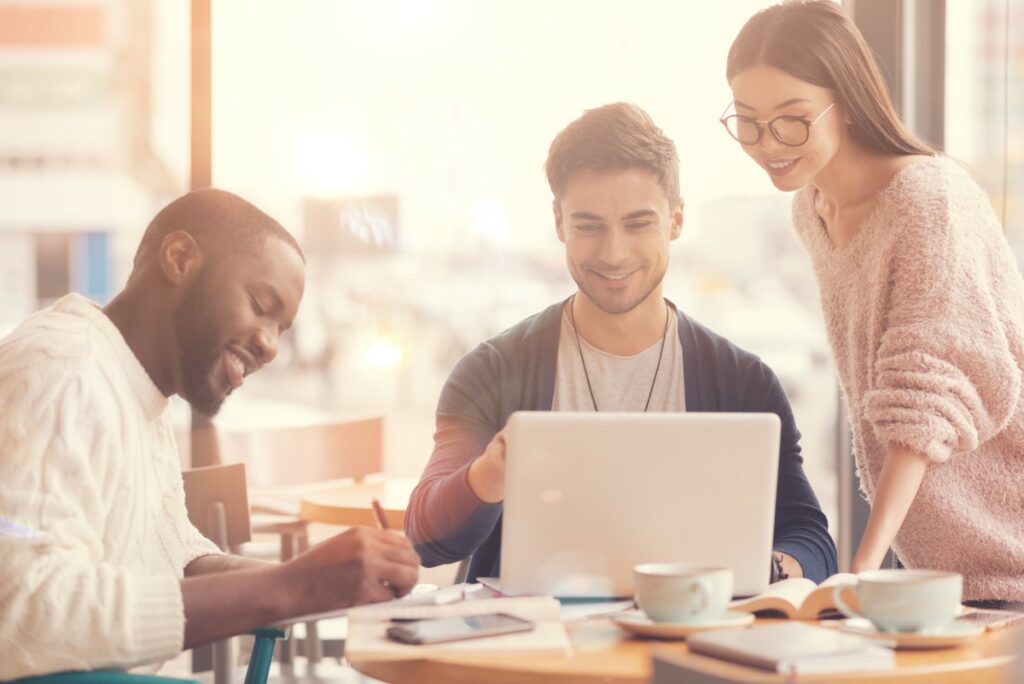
point(439, 630)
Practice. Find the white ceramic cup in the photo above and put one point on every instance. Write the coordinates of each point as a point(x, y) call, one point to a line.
point(682, 592)
point(904, 600)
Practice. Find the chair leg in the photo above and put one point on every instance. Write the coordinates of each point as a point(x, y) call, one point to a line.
point(262, 655)
point(223, 651)
point(202, 658)
point(286, 655)
point(223, 661)
point(312, 648)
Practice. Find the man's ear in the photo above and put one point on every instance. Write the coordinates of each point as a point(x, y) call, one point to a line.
point(180, 258)
point(677, 221)
point(556, 206)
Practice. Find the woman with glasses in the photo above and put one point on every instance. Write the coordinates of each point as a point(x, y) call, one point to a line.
point(922, 297)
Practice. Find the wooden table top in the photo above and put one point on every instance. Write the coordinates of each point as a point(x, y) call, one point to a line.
point(350, 504)
point(605, 653)
point(602, 651)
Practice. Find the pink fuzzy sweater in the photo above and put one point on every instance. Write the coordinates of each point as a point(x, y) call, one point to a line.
point(925, 313)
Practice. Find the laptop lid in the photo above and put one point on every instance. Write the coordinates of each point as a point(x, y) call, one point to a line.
point(590, 495)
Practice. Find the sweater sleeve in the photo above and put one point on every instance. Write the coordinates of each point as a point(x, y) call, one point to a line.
point(63, 607)
point(197, 545)
point(445, 520)
point(945, 377)
point(194, 543)
point(801, 528)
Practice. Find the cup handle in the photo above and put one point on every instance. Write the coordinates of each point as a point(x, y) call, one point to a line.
point(702, 588)
point(837, 598)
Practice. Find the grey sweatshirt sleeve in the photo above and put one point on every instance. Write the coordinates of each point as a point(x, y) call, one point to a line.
point(445, 520)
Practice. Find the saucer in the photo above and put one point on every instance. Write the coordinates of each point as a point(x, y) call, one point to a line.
point(953, 634)
point(636, 622)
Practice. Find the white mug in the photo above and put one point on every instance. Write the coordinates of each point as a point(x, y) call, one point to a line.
point(682, 592)
point(904, 600)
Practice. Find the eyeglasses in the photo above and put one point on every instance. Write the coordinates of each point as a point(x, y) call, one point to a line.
point(791, 131)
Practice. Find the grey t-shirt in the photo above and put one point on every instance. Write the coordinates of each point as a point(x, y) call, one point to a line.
point(620, 383)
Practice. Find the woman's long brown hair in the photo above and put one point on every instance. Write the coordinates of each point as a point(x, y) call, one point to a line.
point(815, 41)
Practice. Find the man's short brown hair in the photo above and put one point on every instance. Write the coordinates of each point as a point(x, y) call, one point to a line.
point(613, 137)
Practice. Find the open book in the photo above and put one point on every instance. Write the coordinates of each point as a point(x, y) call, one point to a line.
point(798, 597)
point(367, 628)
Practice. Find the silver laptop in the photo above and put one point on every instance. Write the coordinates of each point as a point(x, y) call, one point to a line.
point(590, 495)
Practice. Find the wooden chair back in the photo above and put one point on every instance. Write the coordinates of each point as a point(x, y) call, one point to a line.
point(329, 450)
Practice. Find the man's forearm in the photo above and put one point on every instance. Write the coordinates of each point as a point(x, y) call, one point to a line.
point(358, 566)
point(226, 594)
point(214, 563)
point(219, 604)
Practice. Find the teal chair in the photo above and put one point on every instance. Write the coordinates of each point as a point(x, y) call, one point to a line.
point(259, 667)
point(101, 677)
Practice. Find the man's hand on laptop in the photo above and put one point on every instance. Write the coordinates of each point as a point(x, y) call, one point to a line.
point(360, 565)
point(486, 474)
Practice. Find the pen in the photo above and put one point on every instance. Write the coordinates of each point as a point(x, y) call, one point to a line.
point(382, 524)
point(378, 514)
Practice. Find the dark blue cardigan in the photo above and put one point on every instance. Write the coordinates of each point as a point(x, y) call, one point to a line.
point(515, 371)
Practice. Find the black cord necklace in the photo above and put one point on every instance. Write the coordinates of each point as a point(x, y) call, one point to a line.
point(579, 348)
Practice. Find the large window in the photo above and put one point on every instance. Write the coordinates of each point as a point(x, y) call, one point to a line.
point(405, 143)
point(94, 99)
point(985, 102)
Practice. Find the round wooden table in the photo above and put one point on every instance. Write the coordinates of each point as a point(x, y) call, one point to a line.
point(351, 504)
point(604, 653)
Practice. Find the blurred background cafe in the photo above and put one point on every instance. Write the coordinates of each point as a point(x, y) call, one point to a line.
point(403, 142)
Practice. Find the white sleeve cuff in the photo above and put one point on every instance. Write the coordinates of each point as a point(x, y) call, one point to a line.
point(157, 612)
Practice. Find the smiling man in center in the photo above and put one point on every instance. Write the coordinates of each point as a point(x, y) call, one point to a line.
point(616, 344)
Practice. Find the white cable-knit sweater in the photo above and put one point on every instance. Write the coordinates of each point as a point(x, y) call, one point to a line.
point(94, 536)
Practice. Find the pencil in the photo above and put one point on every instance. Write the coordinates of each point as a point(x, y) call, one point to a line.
point(378, 514)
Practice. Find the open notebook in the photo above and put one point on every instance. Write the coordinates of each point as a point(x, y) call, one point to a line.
point(797, 598)
point(367, 626)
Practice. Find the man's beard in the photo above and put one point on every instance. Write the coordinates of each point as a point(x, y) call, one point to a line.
point(196, 332)
point(615, 307)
